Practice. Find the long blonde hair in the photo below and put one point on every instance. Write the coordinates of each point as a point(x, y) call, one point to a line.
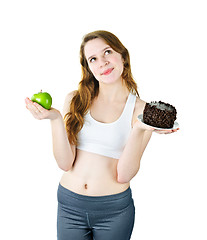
point(88, 87)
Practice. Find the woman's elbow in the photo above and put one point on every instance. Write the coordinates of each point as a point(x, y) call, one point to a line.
point(126, 177)
point(122, 179)
point(65, 165)
point(65, 168)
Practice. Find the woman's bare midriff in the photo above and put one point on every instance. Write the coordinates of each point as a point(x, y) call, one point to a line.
point(93, 175)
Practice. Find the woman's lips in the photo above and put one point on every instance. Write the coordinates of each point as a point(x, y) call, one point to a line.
point(108, 71)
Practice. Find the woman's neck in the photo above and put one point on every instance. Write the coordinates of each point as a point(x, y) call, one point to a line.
point(109, 93)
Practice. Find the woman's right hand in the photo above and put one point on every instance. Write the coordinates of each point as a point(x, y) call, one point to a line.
point(39, 112)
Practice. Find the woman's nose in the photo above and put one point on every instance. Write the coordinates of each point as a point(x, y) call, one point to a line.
point(103, 62)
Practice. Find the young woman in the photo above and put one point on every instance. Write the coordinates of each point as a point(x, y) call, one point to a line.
point(99, 143)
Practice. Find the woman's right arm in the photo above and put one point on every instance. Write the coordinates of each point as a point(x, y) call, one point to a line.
point(63, 151)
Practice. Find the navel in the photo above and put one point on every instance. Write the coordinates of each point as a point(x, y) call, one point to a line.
point(86, 186)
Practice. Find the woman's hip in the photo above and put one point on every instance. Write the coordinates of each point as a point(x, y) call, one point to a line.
point(106, 204)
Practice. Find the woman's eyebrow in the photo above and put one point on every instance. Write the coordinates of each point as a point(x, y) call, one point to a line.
point(101, 51)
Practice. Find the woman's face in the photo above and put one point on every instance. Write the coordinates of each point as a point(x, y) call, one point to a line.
point(105, 64)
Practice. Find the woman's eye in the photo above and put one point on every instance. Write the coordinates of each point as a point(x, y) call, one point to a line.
point(108, 52)
point(92, 60)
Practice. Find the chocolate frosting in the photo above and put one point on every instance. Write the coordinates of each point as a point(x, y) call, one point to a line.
point(159, 114)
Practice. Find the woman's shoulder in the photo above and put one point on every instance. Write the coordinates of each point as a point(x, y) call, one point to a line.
point(70, 95)
point(68, 98)
point(139, 105)
point(138, 109)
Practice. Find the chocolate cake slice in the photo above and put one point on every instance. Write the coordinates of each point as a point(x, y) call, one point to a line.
point(159, 114)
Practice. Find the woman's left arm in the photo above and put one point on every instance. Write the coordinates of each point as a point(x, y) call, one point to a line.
point(129, 162)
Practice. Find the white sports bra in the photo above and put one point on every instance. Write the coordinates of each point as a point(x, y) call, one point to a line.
point(107, 139)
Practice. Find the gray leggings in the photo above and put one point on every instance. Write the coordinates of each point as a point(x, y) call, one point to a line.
point(83, 217)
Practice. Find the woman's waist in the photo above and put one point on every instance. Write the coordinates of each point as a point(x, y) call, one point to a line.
point(92, 184)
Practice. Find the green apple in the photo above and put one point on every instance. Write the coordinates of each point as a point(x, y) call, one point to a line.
point(43, 98)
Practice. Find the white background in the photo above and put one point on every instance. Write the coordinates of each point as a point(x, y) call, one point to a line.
point(39, 49)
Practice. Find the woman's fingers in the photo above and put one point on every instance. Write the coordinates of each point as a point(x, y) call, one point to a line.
point(37, 110)
point(166, 131)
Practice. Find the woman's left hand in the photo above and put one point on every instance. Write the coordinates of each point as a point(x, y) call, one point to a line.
point(166, 131)
point(141, 126)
